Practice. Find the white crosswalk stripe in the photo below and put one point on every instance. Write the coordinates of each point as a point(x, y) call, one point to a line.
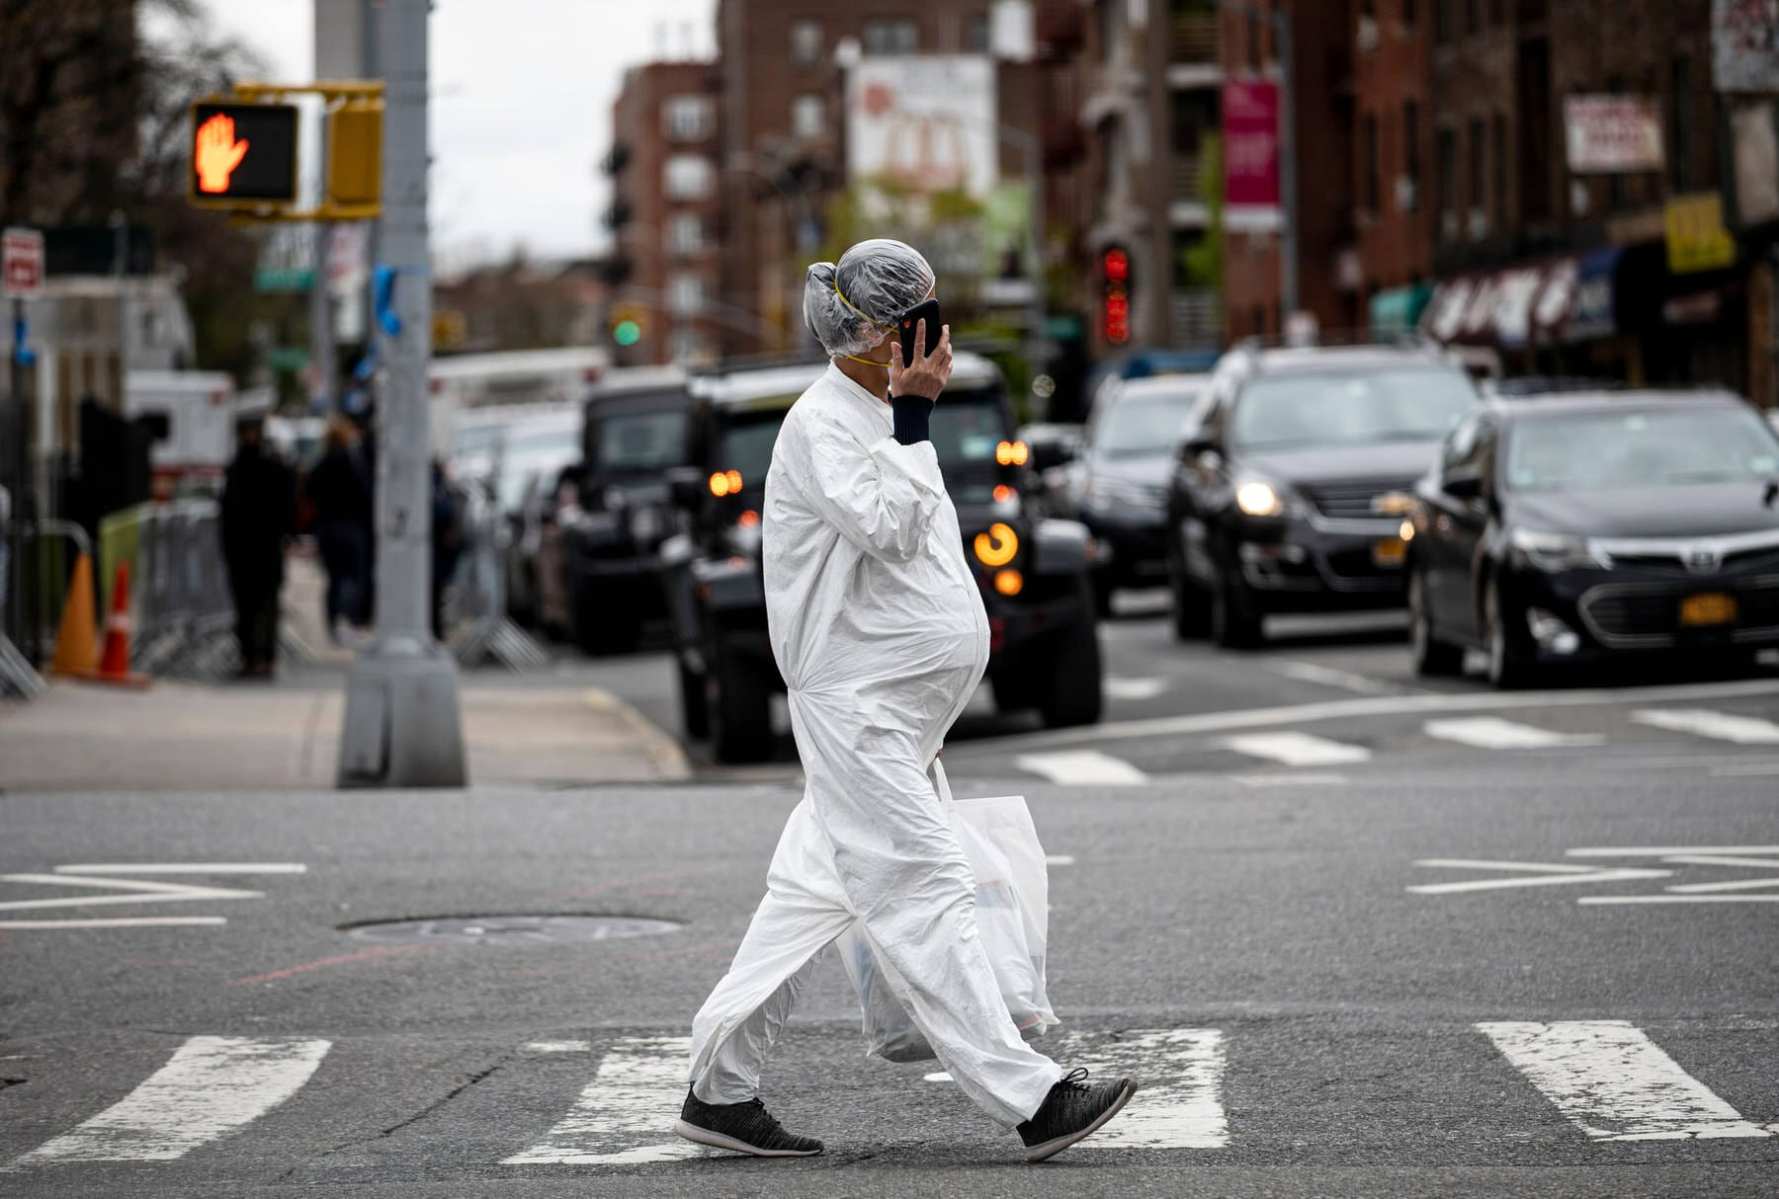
point(1703, 722)
point(1297, 749)
point(1180, 1103)
point(625, 1115)
point(210, 1087)
point(1615, 1083)
point(1491, 732)
point(1081, 767)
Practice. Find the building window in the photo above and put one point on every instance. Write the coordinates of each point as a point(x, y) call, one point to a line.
point(1680, 123)
point(976, 33)
point(1472, 16)
point(1408, 13)
point(809, 117)
point(1447, 179)
point(1442, 20)
point(1253, 41)
point(688, 177)
point(685, 294)
point(1478, 196)
point(1500, 165)
point(806, 42)
point(1373, 168)
point(688, 118)
point(1411, 155)
point(1257, 320)
point(685, 234)
point(887, 36)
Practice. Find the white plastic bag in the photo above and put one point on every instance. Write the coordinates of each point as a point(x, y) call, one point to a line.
point(1012, 922)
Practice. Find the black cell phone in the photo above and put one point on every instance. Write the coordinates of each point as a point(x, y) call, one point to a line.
point(927, 311)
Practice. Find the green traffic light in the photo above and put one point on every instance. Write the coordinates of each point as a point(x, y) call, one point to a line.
point(627, 333)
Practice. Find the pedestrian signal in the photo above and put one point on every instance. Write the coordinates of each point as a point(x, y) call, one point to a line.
point(243, 154)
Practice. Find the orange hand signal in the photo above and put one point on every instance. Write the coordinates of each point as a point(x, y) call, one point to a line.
point(217, 153)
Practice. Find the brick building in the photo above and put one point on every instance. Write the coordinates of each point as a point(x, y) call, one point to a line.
point(1393, 203)
point(1558, 268)
point(666, 213)
point(1323, 106)
point(1151, 111)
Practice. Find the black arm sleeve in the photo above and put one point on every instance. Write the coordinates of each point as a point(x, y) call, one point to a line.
point(913, 414)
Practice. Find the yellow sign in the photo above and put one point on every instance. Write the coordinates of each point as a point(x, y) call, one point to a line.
point(1697, 239)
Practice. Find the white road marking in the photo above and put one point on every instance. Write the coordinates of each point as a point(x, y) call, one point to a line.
point(1703, 722)
point(1059, 859)
point(186, 868)
point(1133, 689)
point(1082, 767)
point(1327, 676)
point(1542, 874)
point(1643, 851)
point(1491, 732)
point(941, 1076)
point(1289, 780)
point(119, 922)
point(622, 1116)
point(1615, 1083)
point(1625, 899)
point(1180, 1103)
point(1740, 884)
point(143, 891)
point(209, 1088)
point(1383, 705)
point(559, 1047)
point(1298, 749)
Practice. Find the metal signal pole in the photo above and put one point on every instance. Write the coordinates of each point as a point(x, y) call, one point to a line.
point(403, 727)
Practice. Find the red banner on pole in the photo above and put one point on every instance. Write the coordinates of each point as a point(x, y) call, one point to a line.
point(1251, 143)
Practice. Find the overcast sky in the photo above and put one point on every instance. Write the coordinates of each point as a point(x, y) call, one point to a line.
point(522, 95)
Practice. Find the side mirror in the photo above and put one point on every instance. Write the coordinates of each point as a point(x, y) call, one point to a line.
point(685, 485)
point(1196, 446)
point(1048, 455)
point(1466, 485)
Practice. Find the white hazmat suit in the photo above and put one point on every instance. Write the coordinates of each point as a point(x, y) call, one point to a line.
point(879, 632)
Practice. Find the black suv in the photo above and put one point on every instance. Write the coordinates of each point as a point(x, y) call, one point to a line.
point(1291, 493)
point(1033, 572)
point(634, 431)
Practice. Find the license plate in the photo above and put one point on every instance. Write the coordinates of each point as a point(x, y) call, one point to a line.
point(1708, 609)
point(1391, 551)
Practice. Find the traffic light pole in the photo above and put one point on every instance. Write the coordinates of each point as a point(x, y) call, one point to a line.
point(402, 726)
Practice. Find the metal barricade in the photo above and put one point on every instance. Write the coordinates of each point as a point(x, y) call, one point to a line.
point(180, 607)
point(476, 626)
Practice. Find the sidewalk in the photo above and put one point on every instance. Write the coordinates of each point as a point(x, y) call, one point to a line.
point(183, 736)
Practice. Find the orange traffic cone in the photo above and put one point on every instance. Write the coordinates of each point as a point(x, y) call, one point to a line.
point(114, 665)
point(77, 643)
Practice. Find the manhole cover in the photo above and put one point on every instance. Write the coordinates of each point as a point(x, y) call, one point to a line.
point(512, 930)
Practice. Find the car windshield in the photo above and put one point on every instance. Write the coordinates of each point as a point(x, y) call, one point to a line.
point(1143, 425)
point(647, 440)
point(966, 428)
point(1684, 445)
point(1350, 408)
point(746, 444)
point(530, 454)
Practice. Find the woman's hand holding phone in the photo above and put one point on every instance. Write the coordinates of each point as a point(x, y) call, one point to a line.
point(928, 372)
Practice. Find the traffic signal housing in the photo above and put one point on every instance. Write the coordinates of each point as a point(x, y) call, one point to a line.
point(1115, 285)
point(355, 153)
point(243, 155)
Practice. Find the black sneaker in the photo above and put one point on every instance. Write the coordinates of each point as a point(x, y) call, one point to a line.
point(741, 1128)
point(1073, 1111)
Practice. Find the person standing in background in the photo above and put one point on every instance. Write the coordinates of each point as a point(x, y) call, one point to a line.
point(338, 487)
point(258, 514)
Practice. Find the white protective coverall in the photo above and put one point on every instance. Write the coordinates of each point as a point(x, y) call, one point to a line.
point(881, 637)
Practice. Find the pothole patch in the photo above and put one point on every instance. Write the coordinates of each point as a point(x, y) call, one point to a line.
point(509, 929)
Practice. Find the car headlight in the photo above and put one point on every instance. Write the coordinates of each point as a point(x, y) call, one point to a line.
point(1256, 497)
point(1553, 551)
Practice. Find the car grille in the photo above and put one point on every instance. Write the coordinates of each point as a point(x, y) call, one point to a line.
point(1627, 615)
point(1755, 560)
point(1352, 501)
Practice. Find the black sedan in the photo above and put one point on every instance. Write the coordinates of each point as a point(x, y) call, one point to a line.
point(1570, 529)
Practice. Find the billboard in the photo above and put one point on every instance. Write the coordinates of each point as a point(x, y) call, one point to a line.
point(1612, 135)
point(923, 124)
point(1745, 45)
point(1250, 152)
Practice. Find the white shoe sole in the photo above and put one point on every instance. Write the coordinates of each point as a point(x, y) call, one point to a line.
point(1051, 1148)
point(716, 1140)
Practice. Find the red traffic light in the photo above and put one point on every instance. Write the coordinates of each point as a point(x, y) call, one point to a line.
point(1115, 295)
point(1116, 264)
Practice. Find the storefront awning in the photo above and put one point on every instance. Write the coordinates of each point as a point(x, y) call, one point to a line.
point(1562, 300)
point(1399, 309)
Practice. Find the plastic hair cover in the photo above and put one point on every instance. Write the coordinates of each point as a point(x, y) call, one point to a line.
point(849, 305)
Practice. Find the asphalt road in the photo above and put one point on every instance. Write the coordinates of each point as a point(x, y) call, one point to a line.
point(1399, 945)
